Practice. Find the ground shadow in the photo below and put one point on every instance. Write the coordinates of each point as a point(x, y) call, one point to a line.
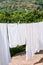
point(21, 53)
point(40, 52)
point(41, 60)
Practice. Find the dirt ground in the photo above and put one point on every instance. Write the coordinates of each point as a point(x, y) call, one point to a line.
point(20, 59)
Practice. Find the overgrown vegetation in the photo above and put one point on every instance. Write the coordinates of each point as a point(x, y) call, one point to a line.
point(17, 49)
point(21, 5)
point(21, 17)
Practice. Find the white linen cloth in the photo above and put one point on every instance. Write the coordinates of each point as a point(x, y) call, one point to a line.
point(34, 39)
point(4, 45)
point(22, 33)
point(28, 41)
point(30, 34)
point(13, 35)
point(41, 35)
point(32, 45)
point(17, 34)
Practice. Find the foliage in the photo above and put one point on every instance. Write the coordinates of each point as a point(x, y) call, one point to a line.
point(37, 1)
point(21, 17)
point(17, 49)
point(21, 5)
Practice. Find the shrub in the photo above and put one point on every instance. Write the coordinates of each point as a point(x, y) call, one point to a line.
point(17, 49)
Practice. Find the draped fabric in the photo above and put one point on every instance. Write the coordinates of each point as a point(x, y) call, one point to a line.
point(34, 39)
point(30, 34)
point(4, 45)
point(22, 33)
point(28, 41)
point(17, 34)
point(41, 35)
point(32, 44)
point(12, 35)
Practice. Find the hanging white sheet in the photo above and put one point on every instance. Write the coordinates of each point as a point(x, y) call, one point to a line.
point(34, 39)
point(30, 34)
point(17, 34)
point(41, 35)
point(28, 41)
point(22, 33)
point(4, 45)
point(13, 34)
